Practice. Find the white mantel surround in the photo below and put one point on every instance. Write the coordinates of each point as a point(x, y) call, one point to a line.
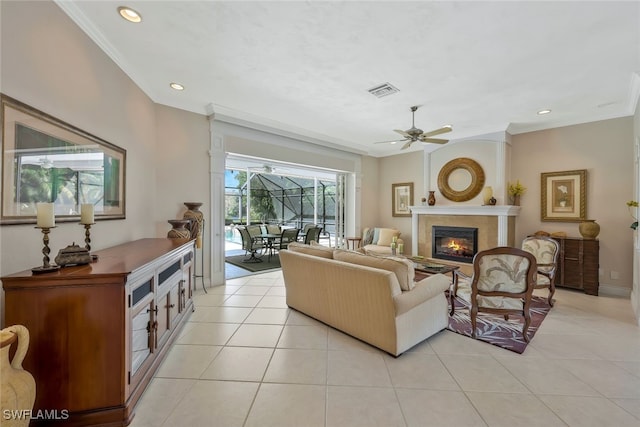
point(503, 212)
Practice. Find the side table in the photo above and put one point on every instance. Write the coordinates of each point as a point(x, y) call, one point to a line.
point(355, 242)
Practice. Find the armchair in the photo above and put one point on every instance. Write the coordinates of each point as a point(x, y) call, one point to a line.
point(546, 251)
point(502, 283)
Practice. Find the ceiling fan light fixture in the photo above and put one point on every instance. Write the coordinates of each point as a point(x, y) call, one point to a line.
point(129, 14)
point(545, 111)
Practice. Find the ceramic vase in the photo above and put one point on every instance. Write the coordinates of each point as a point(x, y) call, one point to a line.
point(589, 229)
point(516, 200)
point(179, 230)
point(194, 214)
point(18, 386)
point(432, 198)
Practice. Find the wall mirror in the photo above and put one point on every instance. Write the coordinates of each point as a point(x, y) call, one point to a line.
point(47, 160)
point(461, 179)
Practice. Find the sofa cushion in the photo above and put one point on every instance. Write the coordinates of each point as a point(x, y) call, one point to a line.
point(401, 267)
point(386, 236)
point(316, 250)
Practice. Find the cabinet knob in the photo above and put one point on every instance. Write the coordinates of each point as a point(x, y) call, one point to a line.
point(172, 305)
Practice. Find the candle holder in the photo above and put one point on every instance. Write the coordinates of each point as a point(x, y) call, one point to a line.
point(87, 239)
point(46, 267)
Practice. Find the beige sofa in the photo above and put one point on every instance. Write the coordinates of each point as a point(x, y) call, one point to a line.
point(377, 240)
point(361, 295)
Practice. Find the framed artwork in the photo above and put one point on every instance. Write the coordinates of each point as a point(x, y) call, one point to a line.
point(564, 196)
point(402, 198)
point(47, 160)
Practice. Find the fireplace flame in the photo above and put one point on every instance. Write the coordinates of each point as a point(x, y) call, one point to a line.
point(454, 245)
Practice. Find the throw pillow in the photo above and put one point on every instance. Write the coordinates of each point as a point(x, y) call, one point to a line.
point(376, 235)
point(386, 236)
point(316, 250)
point(401, 267)
point(368, 237)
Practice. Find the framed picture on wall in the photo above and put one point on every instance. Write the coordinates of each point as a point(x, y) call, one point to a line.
point(402, 198)
point(47, 160)
point(564, 196)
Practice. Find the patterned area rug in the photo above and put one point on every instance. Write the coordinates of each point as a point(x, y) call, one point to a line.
point(494, 329)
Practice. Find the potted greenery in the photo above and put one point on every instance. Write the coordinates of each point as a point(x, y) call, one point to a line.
point(515, 191)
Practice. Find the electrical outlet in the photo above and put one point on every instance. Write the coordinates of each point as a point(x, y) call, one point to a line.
point(615, 275)
point(601, 272)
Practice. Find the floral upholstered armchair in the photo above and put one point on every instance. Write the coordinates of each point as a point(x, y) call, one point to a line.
point(502, 283)
point(546, 251)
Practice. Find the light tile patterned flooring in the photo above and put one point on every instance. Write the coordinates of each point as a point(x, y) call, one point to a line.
point(245, 359)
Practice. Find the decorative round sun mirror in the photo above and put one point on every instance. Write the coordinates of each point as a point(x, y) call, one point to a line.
point(461, 179)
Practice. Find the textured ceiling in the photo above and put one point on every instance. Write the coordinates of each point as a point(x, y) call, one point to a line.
point(306, 66)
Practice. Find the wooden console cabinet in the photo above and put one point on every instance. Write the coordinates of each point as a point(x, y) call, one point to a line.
point(578, 264)
point(98, 332)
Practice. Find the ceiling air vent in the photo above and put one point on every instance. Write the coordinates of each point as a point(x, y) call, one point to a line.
point(383, 90)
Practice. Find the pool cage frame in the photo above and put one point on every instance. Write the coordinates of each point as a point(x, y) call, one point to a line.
point(288, 201)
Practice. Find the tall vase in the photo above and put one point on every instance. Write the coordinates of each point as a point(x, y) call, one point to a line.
point(179, 230)
point(18, 386)
point(432, 198)
point(589, 229)
point(194, 214)
point(516, 200)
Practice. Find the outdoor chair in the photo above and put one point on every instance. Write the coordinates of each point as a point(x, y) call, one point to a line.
point(289, 235)
point(250, 245)
point(312, 235)
point(546, 251)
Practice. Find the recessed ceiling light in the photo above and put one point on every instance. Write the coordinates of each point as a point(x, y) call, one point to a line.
point(541, 112)
point(176, 86)
point(129, 14)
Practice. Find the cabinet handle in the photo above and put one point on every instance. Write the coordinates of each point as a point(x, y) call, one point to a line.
point(172, 305)
point(155, 310)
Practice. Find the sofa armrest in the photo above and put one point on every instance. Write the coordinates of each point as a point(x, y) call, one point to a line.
point(423, 291)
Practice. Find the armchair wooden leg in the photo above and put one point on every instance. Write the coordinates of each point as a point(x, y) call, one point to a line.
point(474, 313)
point(525, 329)
point(552, 290)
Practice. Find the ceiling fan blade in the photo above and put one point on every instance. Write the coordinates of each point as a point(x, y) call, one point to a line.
point(407, 145)
point(443, 129)
point(392, 141)
point(403, 133)
point(434, 140)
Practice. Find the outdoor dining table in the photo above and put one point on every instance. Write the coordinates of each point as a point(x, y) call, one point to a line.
point(269, 238)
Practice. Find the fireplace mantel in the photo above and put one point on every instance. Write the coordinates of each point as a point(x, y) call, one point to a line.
point(498, 210)
point(503, 212)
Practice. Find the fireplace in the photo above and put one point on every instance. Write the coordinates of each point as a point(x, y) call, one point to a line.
point(454, 243)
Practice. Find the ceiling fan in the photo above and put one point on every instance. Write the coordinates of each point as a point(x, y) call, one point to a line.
point(414, 134)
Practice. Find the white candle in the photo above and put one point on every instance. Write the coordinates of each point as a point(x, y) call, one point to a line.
point(86, 213)
point(46, 217)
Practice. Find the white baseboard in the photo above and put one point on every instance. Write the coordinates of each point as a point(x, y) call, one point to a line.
point(614, 290)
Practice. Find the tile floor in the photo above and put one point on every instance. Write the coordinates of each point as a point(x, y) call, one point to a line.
point(245, 359)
